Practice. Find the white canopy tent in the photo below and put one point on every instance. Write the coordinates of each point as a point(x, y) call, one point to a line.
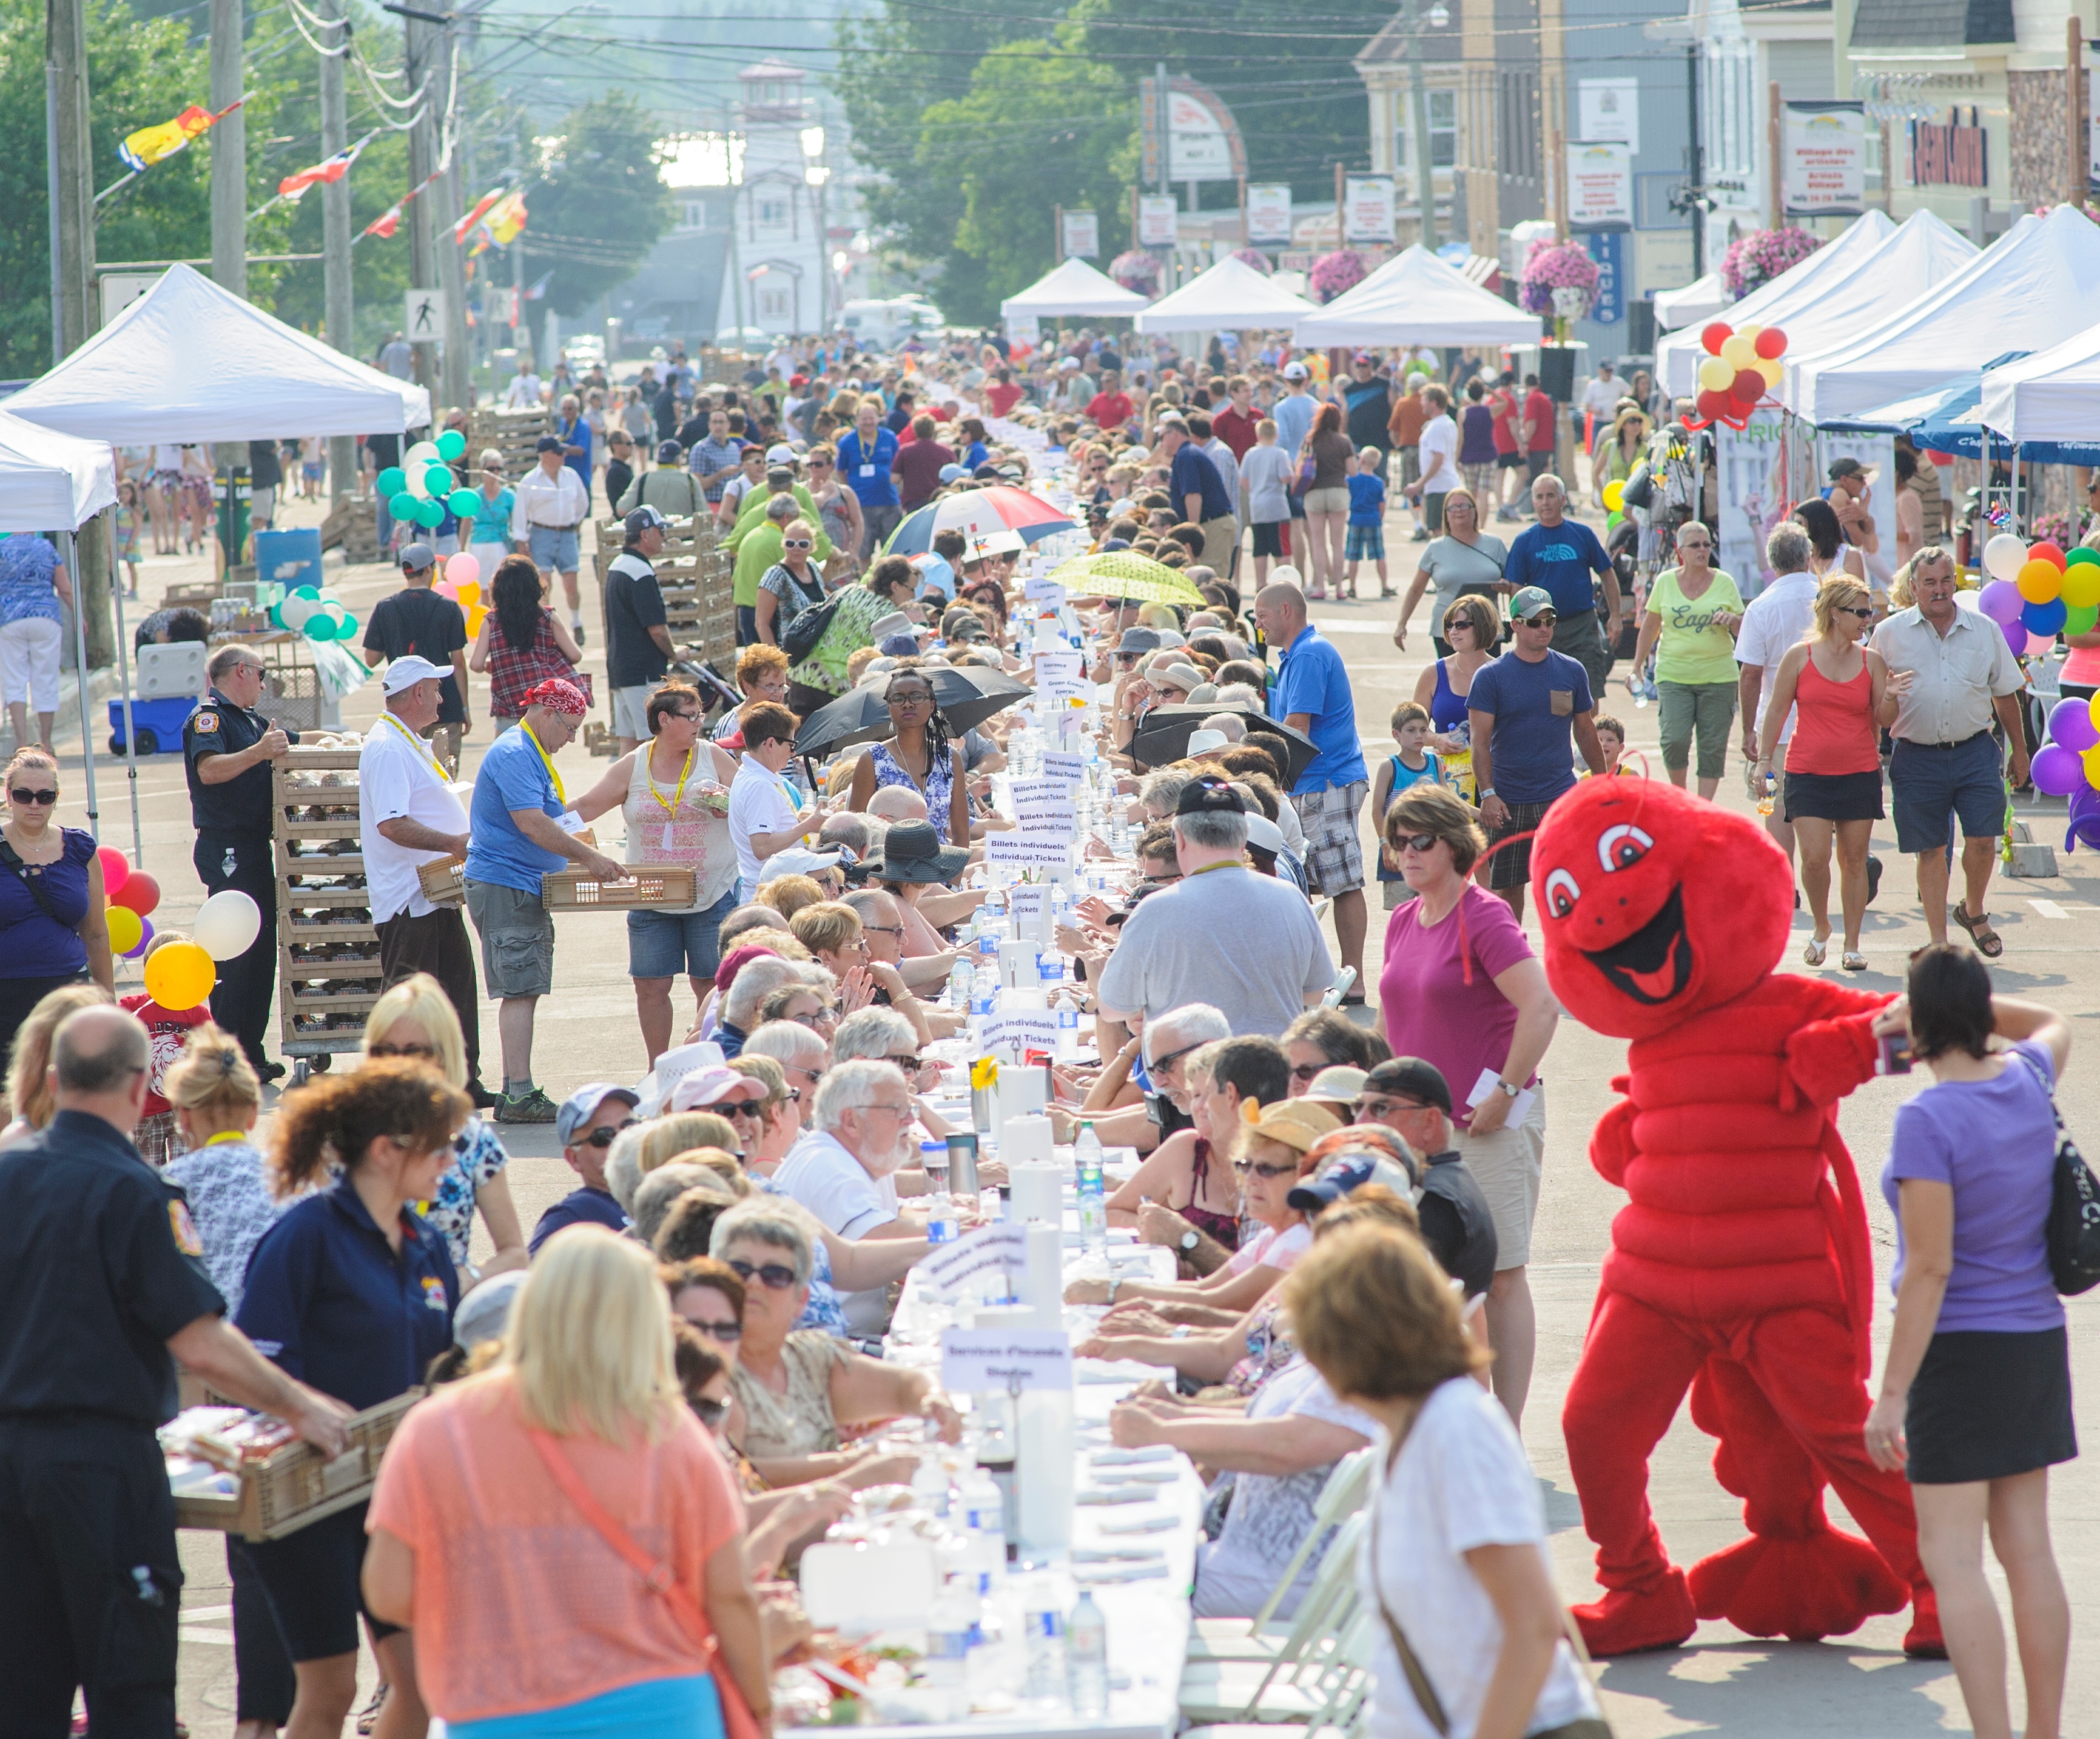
point(1774, 304)
point(2048, 396)
point(1230, 297)
point(189, 361)
point(1699, 300)
point(2036, 285)
point(1073, 288)
point(1416, 299)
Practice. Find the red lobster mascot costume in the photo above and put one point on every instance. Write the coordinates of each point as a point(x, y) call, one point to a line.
point(1741, 1270)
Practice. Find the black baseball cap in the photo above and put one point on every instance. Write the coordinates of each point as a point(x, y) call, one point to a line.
point(549, 443)
point(1208, 795)
point(1422, 1082)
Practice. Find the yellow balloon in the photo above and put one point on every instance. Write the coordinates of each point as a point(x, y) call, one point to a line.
point(1716, 374)
point(1615, 498)
point(1750, 332)
point(2081, 586)
point(470, 594)
point(125, 928)
point(2039, 581)
point(1771, 368)
point(1738, 353)
point(475, 618)
point(180, 976)
point(2091, 757)
point(2092, 710)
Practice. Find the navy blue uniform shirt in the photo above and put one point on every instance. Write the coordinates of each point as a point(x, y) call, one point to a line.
point(335, 1306)
point(100, 1264)
point(238, 805)
point(583, 1206)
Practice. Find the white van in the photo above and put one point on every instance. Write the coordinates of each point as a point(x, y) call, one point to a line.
point(884, 326)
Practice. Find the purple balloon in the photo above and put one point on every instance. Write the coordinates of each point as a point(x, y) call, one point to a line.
point(2058, 771)
point(2070, 723)
point(2001, 601)
point(145, 939)
point(2016, 637)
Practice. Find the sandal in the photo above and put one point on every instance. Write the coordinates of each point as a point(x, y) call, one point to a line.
point(1853, 960)
point(1989, 943)
point(1817, 952)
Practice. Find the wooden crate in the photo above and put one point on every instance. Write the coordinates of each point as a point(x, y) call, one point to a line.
point(295, 1486)
point(443, 881)
point(198, 592)
point(646, 885)
point(319, 865)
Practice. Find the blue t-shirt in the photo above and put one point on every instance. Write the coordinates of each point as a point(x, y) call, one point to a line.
point(1366, 500)
point(27, 564)
point(1532, 753)
point(1562, 560)
point(1195, 475)
point(578, 433)
point(867, 473)
point(491, 521)
point(1311, 679)
point(1293, 415)
point(512, 776)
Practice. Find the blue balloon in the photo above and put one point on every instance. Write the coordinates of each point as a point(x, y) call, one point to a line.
point(2045, 619)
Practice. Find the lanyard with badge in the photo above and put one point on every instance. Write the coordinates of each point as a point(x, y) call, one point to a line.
point(422, 754)
point(671, 809)
point(561, 793)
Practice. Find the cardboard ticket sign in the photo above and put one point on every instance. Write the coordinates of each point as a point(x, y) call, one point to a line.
point(950, 1269)
point(1047, 592)
point(1061, 666)
point(1067, 769)
point(1021, 1031)
point(977, 1362)
point(1029, 904)
point(1019, 851)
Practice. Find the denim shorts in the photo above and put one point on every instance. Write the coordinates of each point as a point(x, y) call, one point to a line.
point(1929, 781)
point(663, 944)
point(554, 548)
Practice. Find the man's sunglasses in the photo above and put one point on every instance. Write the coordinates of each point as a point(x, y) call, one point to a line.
point(1540, 619)
point(909, 1065)
point(1305, 1071)
point(775, 1277)
point(600, 1136)
point(1161, 1065)
point(22, 794)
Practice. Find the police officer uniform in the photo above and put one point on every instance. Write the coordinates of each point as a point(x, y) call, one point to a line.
point(233, 850)
point(100, 1266)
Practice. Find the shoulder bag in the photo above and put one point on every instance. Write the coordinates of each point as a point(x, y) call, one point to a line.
point(738, 1721)
point(808, 628)
point(1585, 1727)
point(34, 884)
point(2074, 1209)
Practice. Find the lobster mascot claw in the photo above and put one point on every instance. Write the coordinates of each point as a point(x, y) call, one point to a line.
point(1739, 1269)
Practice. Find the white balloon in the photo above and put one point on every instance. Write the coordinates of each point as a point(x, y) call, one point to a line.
point(2003, 555)
point(335, 611)
point(423, 453)
point(226, 924)
point(296, 612)
point(416, 486)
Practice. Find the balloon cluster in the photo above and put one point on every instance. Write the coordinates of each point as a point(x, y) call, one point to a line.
point(2036, 591)
point(422, 486)
point(1742, 363)
point(463, 584)
point(129, 895)
point(321, 615)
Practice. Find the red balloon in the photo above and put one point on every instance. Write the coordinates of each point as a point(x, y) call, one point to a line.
point(116, 867)
point(2045, 551)
point(1749, 387)
point(1711, 404)
point(140, 892)
point(1771, 343)
point(1714, 334)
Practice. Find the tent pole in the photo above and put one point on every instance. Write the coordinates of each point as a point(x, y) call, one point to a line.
point(68, 553)
point(124, 688)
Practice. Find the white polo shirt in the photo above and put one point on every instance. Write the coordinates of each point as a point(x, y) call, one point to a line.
point(1775, 620)
point(397, 778)
point(825, 1178)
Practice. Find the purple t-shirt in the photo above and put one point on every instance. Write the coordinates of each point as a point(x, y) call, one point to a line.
point(1995, 1143)
point(1431, 1011)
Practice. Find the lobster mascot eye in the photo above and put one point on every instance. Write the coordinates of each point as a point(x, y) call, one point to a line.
point(1739, 1269)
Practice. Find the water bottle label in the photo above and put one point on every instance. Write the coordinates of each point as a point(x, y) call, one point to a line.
point(940, 1231)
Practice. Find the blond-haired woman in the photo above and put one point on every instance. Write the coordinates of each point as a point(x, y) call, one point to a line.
point(558, 1530)
point(415, 1020)
point(53, 930)
point(1454, 1559)
point(790, 586)
point(1843, 694)
point(29, 1062)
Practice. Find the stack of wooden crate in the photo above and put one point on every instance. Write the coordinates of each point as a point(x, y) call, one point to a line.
point(352, 525)
point(694, 573)
point(515, 435)
point(328, 950)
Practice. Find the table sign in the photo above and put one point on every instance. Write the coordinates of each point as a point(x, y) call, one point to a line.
point(976, 1362)
point(1001, 1247)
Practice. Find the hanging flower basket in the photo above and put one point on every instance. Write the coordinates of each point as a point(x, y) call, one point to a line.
point(1334, 273)
point(1763, 255)
point(1255, 257)
point(1136, 270)
point(1553, 266)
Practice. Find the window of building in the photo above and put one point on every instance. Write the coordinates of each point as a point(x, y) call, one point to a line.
point(692, 215)
point(1442, 129)
point(772, 212)
point(775, 303)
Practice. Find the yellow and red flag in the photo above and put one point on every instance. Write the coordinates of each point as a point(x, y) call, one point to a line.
point(150, 145)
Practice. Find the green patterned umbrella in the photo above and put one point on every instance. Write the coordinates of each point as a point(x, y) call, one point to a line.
point(1124, 573)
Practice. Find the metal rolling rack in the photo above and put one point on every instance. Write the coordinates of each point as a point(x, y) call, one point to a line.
point(328, 950)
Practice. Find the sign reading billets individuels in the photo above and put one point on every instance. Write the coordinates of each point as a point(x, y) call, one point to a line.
point(979, 1361)
point(1022, 851)
point(950, 1269)
point(1066, 769)
point(1020, 1030)
point(1060, 667)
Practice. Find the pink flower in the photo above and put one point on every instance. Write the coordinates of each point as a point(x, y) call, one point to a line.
point(1334, 273)
point(1255, 257)
point(1551, 266)
point(1763, 255)
point(1136, 270)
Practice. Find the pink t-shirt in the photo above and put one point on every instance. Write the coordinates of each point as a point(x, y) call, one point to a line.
point(1431, 1011)
point(1272, 1249)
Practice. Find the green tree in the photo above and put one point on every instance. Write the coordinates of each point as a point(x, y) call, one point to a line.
point(599, 205)
point(1041, 126)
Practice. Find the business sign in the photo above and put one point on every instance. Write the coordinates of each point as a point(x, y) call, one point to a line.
point(1203, 139)
point(1609, 109)
point(1601, 187)
point(1367, 208)
point(1956, 154)
point(1608, 247)
point(1823, 159)
point(1269, 214)
point(1082, 238)
point(1159, 218)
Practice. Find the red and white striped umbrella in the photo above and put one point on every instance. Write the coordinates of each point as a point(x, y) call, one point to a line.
point(978, 512)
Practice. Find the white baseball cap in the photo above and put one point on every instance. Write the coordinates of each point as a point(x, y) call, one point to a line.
point(1294, 371)
point(405, 673)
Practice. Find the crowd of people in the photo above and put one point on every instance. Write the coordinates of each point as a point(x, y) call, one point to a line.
point(646, 1404)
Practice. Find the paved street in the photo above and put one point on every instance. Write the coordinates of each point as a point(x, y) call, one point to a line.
point(1858, 1685)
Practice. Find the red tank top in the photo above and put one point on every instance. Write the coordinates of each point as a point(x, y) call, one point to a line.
point(1833, 729)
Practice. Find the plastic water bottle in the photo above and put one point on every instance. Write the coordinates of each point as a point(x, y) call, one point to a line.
point(1087, 1655)
point(983, 1512)
point(984, 986)
point(929, 1482)
point(951, 1630)
point(1068, 1032)
point(991, 915)
point(1093, 1205)
point(961, 977)
point(1043, 1623)
point(943, 1226)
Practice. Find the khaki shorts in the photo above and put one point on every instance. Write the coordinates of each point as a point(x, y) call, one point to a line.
point(517, 940)
point(1327, 501)
point(1510, 1166)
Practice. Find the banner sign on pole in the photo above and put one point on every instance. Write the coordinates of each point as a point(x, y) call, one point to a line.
point(1082, 236)
point(1754, 497)
point(1601, 187)
point(1823, 145)
point(1367, 208)
point(1269, 214)
point(1159, 216)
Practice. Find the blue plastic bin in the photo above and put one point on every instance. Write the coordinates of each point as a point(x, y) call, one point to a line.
point(290, 559)
point(159, 724)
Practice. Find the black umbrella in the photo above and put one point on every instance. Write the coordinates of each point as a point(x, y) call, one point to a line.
point(1164, 733)
point(966, 696)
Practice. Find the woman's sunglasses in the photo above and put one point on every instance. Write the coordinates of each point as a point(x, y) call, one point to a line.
point(798, 543)
point(748, 1108)
point(775, 1277)
point(382, 1050)
point(725, 1332)
point(1863, 614)
point(1415, 842)
point(23, 795)
point(710, 1414)
point(1245, 1167)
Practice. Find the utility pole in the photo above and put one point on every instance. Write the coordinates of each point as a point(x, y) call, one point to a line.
point(422, 72)
point(229, 152)
point(76, 302)
point(335, 231)
point(458, 389)
point(1417, 97)
point(2076, 157)
point(1775, 142)
point(1696, 154)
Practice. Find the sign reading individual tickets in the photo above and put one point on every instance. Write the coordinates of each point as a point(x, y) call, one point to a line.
point(1029, 905)
point(1025, 852)
point(953, 1269)
point(1059, 667)
point(979, 1361)
point(1020, 1030)
point(1067, 769)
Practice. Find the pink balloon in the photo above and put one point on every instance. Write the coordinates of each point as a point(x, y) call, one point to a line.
point(463, 569)
point(2001, 601)
point(2037, 644)
point(450, 588)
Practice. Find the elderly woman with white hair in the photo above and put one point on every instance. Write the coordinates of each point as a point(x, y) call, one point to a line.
point(798, 1386)
point(738, 1010)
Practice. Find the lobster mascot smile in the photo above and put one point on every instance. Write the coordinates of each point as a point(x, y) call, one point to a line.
point(1741, 1270)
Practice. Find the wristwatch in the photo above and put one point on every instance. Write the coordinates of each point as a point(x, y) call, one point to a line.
point(1190, 1238)
point(1512, 1091)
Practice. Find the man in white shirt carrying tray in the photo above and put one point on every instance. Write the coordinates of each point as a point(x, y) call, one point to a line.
point(408, 815)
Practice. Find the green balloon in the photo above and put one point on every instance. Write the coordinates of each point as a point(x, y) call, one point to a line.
point(2081, 621)
point(450, 444)
point(320, 627)
point(465, 503)
point(2090, 557)
point(393, 480)
point(311, 594)
point(438, 480)
point(349, 628)
point(430, 514)
point(403, 506)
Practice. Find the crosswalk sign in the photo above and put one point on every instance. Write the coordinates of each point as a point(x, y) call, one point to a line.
point(426, 317)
